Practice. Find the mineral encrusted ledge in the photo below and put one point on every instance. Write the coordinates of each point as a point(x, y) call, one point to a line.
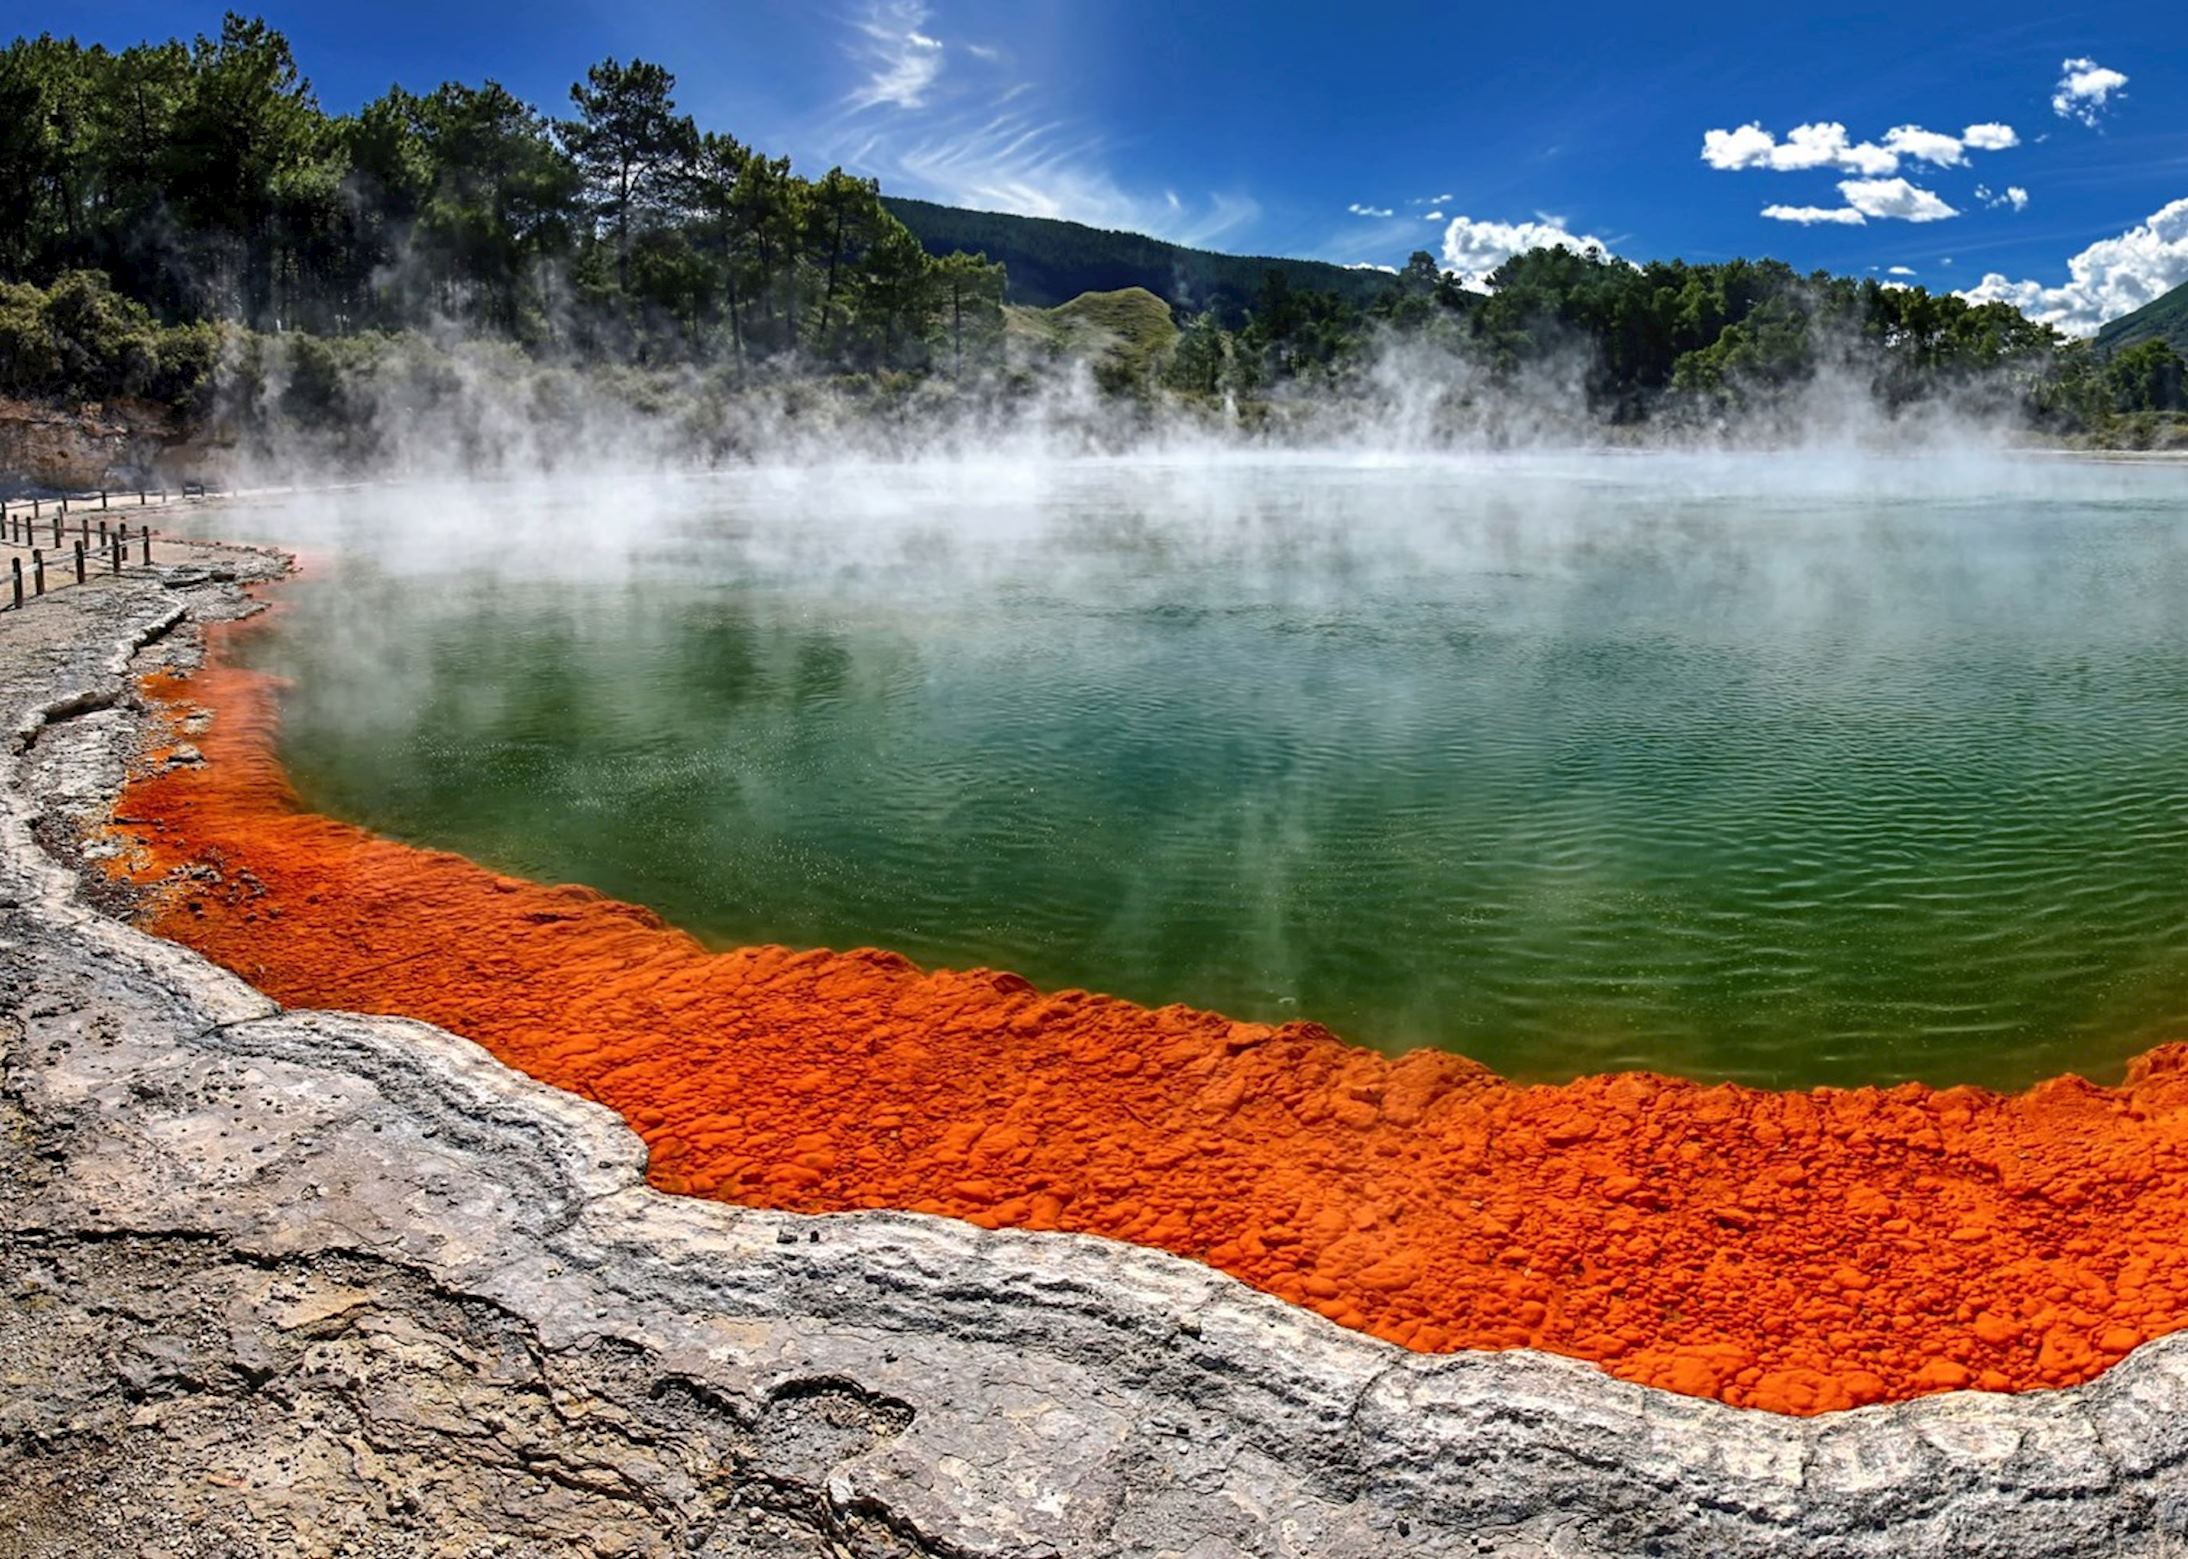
point(281, 1282)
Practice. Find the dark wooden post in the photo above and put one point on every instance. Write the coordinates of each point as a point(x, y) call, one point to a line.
point(102, 497)
point(79, 562)
point(115, 554)
point(56, 530)
point(38, 570)
point(83, 522)
point(34, 508)
point(140, 497)
point(15, 573)
point(148, 546)
point(102, 533)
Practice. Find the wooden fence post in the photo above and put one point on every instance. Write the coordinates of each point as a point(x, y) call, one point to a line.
point(38, 570)
point(102, 497)
point(148, 546)
point(15, 573)
point(79, 562)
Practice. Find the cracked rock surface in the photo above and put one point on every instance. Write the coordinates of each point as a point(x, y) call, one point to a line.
point(302, 1283)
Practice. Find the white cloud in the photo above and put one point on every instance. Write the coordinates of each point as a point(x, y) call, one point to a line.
point(2112, 277)
point(1809, 216)
point(1359, 210)
point(902, 62)
point(1894, 199)
point(1883, 199)
point(1899, 270)
point(1929, 146)
point(1827, 145)
point(1434, 216)
point(2012, 195)
point(1805, 146)
point(2085, 89)
point(1472, 249)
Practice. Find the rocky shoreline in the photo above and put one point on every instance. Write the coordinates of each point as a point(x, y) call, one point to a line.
point(282, 1282)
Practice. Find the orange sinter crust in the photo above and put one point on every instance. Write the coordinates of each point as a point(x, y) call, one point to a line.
point(1798, 1252)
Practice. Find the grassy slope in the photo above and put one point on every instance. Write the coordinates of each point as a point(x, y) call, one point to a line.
point(2166, 319)
point(1051, 262)
point(1130, 330)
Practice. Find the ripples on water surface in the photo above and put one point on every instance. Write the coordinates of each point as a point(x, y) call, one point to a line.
point(1785, 771)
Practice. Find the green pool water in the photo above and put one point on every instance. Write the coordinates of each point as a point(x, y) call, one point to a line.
point(1789, 771)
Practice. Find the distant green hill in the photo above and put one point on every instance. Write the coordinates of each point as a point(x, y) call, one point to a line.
point(2166, 320)
point(1052, 262)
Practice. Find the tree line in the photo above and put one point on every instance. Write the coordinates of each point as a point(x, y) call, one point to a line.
point(1644, 339)
point(205, 181)
point(172, 207)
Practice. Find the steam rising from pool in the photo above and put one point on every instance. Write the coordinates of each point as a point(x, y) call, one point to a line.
point(1784, 768)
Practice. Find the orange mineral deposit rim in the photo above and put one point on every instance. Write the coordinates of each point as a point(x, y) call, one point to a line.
point(1796, 1252)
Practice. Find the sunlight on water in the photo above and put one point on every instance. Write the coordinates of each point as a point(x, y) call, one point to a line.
point(1568, 765)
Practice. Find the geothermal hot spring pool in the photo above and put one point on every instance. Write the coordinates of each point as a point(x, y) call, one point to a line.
point(1785, 772)
point(1734, 816)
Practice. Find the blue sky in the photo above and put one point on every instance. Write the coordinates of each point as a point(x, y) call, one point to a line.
point(2031, 139)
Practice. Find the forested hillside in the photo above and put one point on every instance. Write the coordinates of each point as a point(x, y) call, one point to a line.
point(2164, 320)
point(1051, 262)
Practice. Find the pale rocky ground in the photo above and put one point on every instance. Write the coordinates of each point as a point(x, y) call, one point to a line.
point(292, 1283)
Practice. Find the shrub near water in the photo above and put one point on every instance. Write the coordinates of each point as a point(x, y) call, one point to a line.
point(79, 340)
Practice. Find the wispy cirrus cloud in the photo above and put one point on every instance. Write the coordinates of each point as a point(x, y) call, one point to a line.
point(901, 61)
point(951, 121)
